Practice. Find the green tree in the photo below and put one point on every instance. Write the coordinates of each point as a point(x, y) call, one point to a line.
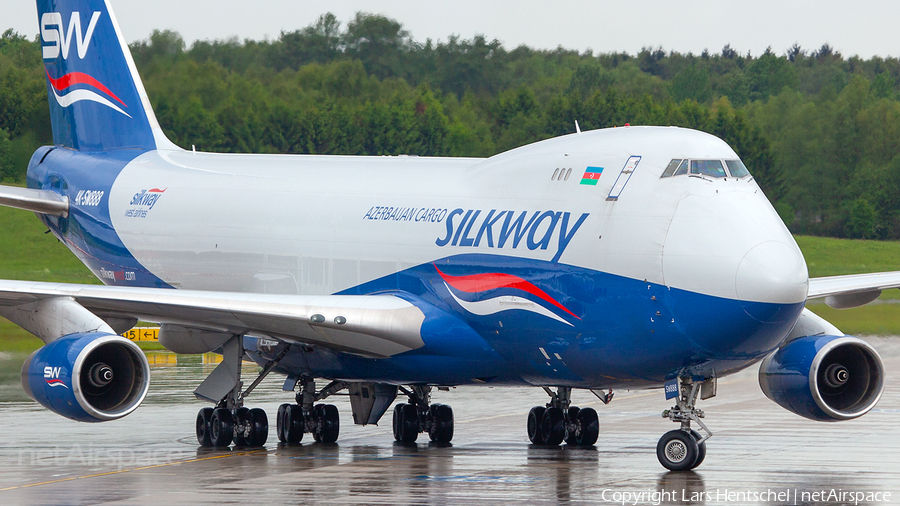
point(162, 44)
point(319, 43)
point(692, 83)
point(8, 173)
point(378, 42)
point(861, 219)
point(769, 74)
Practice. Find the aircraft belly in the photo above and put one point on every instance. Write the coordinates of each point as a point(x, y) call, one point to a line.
point(604, 330)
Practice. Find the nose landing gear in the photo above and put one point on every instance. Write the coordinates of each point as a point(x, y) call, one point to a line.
point(559, 421)
point(683, 449)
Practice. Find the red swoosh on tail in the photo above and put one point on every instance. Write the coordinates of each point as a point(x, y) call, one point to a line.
point(74, 78)
point(483, 282)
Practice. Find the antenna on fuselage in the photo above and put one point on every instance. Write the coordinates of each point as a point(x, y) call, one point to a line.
point(577, 128)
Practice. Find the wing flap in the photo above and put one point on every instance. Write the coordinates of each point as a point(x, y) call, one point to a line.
point(370, 325)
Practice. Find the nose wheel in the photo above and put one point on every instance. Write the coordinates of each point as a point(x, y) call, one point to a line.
point(678, 450)
point(684, 448)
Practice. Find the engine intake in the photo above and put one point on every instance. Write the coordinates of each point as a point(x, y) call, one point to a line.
point(92, 377)
point(826, 378)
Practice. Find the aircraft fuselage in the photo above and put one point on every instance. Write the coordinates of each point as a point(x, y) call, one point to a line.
point(567, 277)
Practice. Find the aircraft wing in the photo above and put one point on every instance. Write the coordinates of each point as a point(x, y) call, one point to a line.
point(368, 325)
point(853, 290)
point(39, 201)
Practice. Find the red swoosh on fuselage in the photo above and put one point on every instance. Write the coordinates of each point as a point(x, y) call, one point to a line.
point(482, 282)
point(74, 78)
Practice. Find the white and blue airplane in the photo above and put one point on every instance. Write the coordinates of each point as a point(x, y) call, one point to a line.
point(634, 257)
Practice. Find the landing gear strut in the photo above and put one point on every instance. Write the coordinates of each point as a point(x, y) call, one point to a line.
point(420, 415)
point(230, 421)
point(682, 449)
point(306, 417)
point(560, 421)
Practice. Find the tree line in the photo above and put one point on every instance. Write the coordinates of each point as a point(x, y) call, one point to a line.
point(820, 132)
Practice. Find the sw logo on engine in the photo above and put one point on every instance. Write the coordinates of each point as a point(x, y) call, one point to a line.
point(51, 376)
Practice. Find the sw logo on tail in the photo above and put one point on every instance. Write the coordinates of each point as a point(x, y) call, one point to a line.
point(59, 40)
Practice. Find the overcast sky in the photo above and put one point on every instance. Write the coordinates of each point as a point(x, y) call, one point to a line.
point(865, 28)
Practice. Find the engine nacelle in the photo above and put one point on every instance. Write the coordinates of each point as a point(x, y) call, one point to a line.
point(825, 378)
point(89, 377)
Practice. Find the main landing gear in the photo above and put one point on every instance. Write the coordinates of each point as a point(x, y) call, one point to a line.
point(222, 426)
point(559, 421)
point(683, 449)
point(306, 417)
point(230, 421)
point(419, 415)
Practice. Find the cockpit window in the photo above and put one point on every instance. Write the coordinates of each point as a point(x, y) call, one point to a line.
point(671, 168)
point(711, 168)
point(737, 168)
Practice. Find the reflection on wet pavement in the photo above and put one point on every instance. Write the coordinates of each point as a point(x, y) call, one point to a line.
point(760, 454)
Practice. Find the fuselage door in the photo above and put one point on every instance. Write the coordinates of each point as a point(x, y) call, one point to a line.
point(623, 178)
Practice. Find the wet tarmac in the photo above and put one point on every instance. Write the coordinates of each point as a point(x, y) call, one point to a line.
point(760, 454)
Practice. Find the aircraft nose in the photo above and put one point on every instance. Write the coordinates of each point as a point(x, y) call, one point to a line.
point(772, 272)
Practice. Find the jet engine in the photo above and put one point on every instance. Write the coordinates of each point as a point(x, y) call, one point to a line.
point(824, 378)
point(89, 377)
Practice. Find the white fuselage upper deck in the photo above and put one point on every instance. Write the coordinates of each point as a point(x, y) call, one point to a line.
point(322, 224)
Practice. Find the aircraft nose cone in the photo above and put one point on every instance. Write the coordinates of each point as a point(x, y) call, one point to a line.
point(772, 272)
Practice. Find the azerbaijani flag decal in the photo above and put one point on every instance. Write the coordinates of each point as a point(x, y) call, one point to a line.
point(591, 175)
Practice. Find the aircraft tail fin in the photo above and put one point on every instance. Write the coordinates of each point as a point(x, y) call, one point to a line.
point(97, 100)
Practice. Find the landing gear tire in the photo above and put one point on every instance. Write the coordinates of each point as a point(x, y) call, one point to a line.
point(203, 418)
point(553, 427)
point(251, 427)
point(535, 419)
point(589, 425)
point(328, 423)
point(279, 422)
point(290, 423)
point(677, 450)
point(243, 426)
point(701, 453)
point(405, 423)
point(221, 427)
point(441, 430)
point(259, 427)
point(572, 435)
